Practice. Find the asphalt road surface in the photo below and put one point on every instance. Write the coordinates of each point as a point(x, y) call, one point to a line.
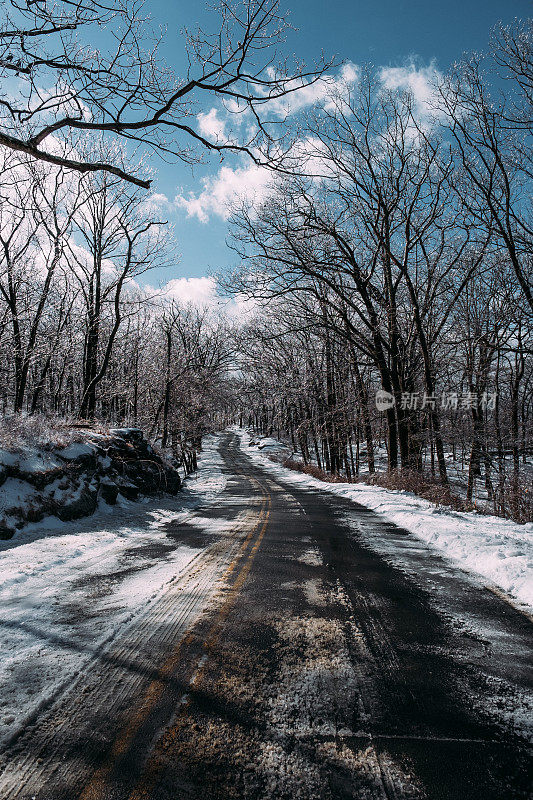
point(294, 660)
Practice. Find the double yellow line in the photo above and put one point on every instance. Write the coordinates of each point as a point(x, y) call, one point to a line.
point(96, 788)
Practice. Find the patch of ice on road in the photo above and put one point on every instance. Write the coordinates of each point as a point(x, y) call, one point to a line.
point(314, 694)
point(315, 680)
point(68, 587)
point(497, 549)
point(212, 525)
point(311, 557)
point(369, 767)
point(289, 774)
point(313, 591)
point(512, 707)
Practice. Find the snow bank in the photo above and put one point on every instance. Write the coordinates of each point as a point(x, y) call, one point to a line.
point(497, 549)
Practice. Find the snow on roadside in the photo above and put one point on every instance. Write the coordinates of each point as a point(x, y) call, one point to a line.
point(68, 587)
point(499, 550)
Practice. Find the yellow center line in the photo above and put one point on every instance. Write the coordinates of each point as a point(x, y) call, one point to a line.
point(95, 789)
point(156, 763)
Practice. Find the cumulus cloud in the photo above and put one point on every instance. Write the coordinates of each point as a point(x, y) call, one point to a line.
point(305, 95)
point(223, 191)
point(319, 92)
point(202, 293)
point(241, 308)
point(419, 80)
point(211, 125)
point(157, 203)
point(350, 73)
point(196, 291)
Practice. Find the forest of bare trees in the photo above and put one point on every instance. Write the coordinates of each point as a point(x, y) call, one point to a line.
point(390, 263)
point(81, 335)
point(395, 264)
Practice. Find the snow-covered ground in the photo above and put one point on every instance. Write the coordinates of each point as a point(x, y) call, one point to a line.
point(68, 587)
point(499, 550)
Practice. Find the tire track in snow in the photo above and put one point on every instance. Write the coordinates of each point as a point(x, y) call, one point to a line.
point(46, 753)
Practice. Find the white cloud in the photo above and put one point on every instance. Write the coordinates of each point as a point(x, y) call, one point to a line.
point(211, 126)
point(223, 191)
point(310, 94)
point(350, 73)
point(157, 201)
point(197, 291)
point(419, 80)
point(305, 95)
point(241, 308)
point(158, 205)
point(202, 293)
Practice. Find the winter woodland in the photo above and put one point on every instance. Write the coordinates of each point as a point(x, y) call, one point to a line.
point(388, 264)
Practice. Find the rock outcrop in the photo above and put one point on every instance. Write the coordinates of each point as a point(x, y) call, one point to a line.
point(69, 482)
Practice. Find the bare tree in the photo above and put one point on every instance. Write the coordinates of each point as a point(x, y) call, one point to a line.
point(37, 212)
point(195, 354)
point(512, 50)
point(120, 242)
point(492, 138)
point(378, 231)
point(126, 91)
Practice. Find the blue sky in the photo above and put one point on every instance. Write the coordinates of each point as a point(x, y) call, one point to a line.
point(384, 32)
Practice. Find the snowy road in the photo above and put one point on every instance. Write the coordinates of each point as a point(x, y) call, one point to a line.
point(270, 642)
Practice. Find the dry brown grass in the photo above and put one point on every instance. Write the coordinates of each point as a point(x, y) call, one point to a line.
point(313, 470)
point(418, 483)
point(399, 480)
point(20, 431)
point(515, 502)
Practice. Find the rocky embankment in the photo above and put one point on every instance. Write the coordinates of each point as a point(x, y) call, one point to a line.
point(69, 482)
